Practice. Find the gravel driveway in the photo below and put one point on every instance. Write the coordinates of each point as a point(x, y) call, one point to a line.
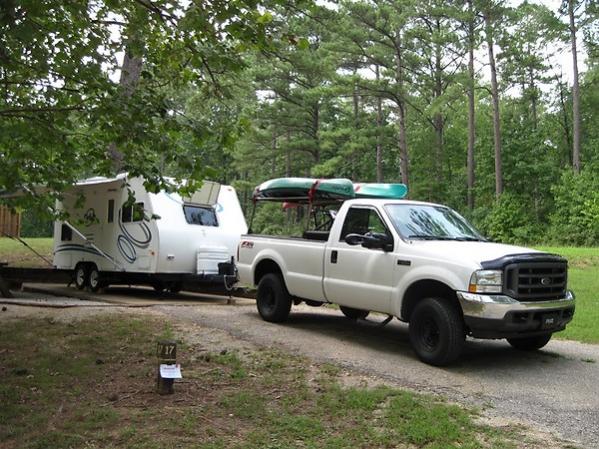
point(554, 389)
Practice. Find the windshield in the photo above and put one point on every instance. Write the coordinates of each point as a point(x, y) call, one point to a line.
point(428, 222)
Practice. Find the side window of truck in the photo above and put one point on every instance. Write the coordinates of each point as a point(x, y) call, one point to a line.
point(361, 220)
point(132, 213)
point(198, 215)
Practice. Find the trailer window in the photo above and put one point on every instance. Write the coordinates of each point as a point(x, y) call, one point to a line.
point(66, 233)
point(110, 211)
point(132, 213)
point(197, 215)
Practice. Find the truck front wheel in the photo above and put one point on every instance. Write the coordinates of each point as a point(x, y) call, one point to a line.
point(273, 299)
point(437, 331)
point(530, 343)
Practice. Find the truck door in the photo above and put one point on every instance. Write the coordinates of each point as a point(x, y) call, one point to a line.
point(356, 276)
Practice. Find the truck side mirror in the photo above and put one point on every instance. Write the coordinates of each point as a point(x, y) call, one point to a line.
point(371, 240)
point(354, 239)
point(377, 240)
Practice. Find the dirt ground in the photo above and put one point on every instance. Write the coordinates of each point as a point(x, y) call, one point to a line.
point(217, 327)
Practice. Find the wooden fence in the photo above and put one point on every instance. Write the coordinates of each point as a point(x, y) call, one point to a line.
point(9, 223)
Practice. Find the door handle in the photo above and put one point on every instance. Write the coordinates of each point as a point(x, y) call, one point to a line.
point(334, 256)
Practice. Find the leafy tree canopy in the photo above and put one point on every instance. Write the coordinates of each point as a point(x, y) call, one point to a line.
point(61, 103)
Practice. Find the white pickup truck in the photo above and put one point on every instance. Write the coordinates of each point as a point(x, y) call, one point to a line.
point(420, 262)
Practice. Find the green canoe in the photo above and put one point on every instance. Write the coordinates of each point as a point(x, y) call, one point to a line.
point(305, 189)
point(385, 191)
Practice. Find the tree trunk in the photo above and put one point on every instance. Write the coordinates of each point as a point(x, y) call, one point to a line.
point(356, 99)
point(379, 126)
point(273, 146)
point(533, 95)
point(565, 124)
point(288, 169)
point(130, 74)
point(315, 134)
point(471, 123)
point(575, 93)
point(438, 120)
point(401, 116)
point(496, 119)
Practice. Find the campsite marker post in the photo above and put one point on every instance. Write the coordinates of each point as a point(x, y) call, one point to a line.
point(167, 368)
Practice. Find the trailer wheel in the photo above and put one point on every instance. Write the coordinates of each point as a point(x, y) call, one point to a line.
point(80, 276)
point(273, 299)
point(175, 287)
point(93, 279)
point(437, 331)
point(354, 314)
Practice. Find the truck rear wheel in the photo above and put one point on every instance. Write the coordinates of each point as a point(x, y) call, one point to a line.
point(354, 314)
point(530, 343)
point(273, 299)
point(437, 331)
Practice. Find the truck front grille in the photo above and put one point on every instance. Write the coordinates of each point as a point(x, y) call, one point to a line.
point(536, 281)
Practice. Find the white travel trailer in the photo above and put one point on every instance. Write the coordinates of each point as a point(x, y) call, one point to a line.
point(160, 239)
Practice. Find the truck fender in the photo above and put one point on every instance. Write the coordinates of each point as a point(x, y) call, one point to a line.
point(265, 262)
point(426, 280)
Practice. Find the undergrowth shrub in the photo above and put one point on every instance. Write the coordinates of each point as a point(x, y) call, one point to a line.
point(575, 219)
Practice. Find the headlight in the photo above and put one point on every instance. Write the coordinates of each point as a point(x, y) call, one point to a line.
point(486, 281)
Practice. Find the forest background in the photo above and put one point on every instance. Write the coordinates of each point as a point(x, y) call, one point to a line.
point(461, 100)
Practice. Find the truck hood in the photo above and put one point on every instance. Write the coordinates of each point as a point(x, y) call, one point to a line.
point(469, 252)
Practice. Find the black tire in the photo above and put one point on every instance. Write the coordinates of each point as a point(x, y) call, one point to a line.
point(94, 280)
point(273, 299)
point(354, 314)
point(80, 276)
point(158, 287)
point(530, 343)
point(437, 332)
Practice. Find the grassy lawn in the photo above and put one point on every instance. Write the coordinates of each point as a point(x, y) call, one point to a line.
point(16, 254)
point(90, 384)
point(583, 279)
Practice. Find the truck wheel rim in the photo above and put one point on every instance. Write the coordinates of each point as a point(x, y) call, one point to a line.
point(269, 299)
point(430, 335)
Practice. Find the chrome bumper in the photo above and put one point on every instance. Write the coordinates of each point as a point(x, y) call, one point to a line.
point(495, 307)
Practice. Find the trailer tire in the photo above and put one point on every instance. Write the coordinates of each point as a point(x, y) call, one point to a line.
point(175, 287)
point(273, 299)
point(94, 279)
point(80, 276)
point(436, 331)
point(354, 314)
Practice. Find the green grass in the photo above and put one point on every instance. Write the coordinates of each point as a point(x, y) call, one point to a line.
point(91, 384)
point(583, 279)
point(16, 254)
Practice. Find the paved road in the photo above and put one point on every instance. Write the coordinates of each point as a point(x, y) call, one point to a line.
point(555, 389)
